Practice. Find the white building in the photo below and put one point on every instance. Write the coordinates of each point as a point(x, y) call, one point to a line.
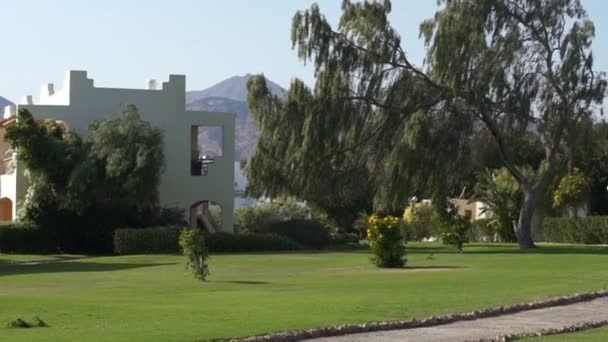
point(186, 183)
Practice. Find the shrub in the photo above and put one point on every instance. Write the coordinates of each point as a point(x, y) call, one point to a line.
point(360, 224)
point(587, 230)
point(419, 222)
point(146, 240)
point(483, 230)
point(571, 191)
point(192, 243)
point(386, 241)
point(258, 219)
point(340, 238)
point(255, 219)
point(224, 242)
point(165, 240)
point(24, 237)
point(309, 233)
point(455, 232)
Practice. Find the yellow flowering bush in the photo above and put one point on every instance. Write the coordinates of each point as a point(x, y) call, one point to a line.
point(571, 191)
point(386, 241)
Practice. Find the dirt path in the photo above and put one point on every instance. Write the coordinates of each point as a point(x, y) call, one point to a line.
point(522, 322)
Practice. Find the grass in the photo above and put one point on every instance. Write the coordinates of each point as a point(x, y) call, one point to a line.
point(593, 335)
point(153, 297)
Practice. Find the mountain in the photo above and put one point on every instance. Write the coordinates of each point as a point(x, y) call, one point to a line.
point(3, 103)
point(233, 88)
point(229, 96)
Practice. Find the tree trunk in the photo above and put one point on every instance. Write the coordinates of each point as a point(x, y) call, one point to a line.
point(524, 224)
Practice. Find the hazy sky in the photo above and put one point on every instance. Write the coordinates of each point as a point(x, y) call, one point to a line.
point(123, 42)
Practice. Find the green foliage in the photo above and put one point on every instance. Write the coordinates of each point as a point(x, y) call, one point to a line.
point(419, 222)
point(157, 240)
point(502, 195)
point(257, 219)
point(360, 225)
point(82, 189)
point(162, 240)
point(414, 129)
point(24, 237)
point(192, 243)
point(483, 230)
point(456, 232)
point(308, 233)
point(587, 230)
point(386, 242)
point(289, 162)
point(571, 191)
point(129, 152)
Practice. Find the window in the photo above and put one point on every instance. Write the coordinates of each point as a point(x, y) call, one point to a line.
point(206, 145)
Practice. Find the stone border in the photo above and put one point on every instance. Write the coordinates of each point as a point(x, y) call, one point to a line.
point(347, 329)
point(547, 332)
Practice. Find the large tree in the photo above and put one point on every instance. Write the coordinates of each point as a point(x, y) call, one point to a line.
point(339, 186)
point(508, 67)
point(83, 188)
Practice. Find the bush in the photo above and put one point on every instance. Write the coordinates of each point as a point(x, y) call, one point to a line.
point(587, 230)
point(340, 238)
point(258, 219)
point(419, 222)
point(224, 242)
point(192, 243)
point(165, 240)
point(386, 241)
point(24, 237)
point(455, 232)
point(255, 219)
point(157, 240)
point(309, 233)
point(483, 230)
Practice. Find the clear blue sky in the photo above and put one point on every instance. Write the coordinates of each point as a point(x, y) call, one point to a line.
point(123, 42)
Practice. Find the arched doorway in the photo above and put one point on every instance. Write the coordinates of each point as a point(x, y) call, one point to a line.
point(6, 209)
point(206, 215)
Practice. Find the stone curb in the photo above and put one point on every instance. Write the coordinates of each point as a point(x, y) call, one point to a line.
point(547, 332)
point(346, 329)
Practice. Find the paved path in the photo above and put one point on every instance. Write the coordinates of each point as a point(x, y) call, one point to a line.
point(522, 322)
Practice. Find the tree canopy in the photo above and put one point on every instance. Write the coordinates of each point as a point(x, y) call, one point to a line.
point(509, 68)
point(94, 184)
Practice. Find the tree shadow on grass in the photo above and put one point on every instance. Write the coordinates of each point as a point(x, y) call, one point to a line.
point(432, 268)
point(242, 282)
point(68, 267)
point(502, 248)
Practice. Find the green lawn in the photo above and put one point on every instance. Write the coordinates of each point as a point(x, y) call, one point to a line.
point(153, 298)
point(593, 335)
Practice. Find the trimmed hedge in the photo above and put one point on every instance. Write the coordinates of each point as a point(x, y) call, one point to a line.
point(587, 230)
point(308, 233)
point(162, 240)
point(224, 242)
point(23, 237)
point(156, 240)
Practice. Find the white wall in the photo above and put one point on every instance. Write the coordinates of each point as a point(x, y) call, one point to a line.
point(82, 103)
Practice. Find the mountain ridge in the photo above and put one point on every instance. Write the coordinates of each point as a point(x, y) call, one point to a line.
point(230, 95)
point(233, 88)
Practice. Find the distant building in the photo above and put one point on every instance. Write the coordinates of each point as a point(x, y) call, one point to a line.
point(472, 209)
point(193, 180)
